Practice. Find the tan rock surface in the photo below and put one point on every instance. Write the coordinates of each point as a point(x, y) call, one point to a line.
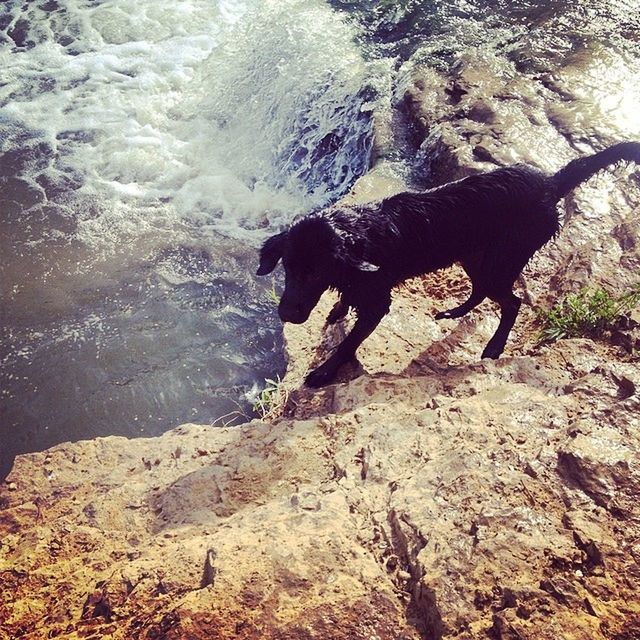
point(458, 501)
point(426, 495)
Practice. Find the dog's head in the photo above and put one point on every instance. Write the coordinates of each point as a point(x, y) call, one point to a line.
point(313, 254)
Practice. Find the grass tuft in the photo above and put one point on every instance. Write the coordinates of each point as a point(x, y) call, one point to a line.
point(271, 399)
point(590, 313)
point(272, 294)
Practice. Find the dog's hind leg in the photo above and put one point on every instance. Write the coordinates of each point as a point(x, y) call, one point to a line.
point(509, 308)
point(504, 266)
point(473, 267)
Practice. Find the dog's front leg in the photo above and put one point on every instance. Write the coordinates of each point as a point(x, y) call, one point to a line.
point(368, 320)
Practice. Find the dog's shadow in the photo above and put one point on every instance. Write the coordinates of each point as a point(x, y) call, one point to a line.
point(360, 381)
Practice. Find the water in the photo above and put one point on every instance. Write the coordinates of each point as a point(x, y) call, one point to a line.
point(544, 32)
point(147, 147)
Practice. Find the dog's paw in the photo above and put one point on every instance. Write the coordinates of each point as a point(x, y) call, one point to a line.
point(338, 312)
point(442, 315)
point(492, 353)
point(320, 377)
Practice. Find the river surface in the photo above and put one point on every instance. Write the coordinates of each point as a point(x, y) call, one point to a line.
point(147, 147)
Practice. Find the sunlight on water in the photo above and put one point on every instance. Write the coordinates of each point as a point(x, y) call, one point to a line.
point(610, 83)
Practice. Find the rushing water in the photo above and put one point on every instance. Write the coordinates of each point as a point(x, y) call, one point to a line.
point(146, 149)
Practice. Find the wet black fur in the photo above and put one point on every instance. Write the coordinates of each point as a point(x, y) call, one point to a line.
point(491, 223)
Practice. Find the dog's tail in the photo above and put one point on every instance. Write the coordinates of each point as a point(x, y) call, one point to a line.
point(577, 171)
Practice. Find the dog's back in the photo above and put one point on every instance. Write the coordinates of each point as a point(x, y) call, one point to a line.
point(412, 233)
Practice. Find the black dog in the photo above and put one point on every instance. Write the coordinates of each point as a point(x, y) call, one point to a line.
point(491, 223)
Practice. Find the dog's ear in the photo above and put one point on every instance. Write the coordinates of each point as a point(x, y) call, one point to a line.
point(271, 252)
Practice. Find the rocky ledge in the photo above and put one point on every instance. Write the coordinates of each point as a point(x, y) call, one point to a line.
point(426, 495)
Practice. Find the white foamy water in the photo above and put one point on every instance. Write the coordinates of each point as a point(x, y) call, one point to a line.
point(236, 115)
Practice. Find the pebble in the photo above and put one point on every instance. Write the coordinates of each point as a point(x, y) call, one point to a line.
point(12, 486)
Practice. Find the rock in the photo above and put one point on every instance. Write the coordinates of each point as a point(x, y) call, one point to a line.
point(604, 464)
point(390, 515)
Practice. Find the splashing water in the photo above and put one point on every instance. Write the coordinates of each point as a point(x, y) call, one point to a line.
point(226, 112)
